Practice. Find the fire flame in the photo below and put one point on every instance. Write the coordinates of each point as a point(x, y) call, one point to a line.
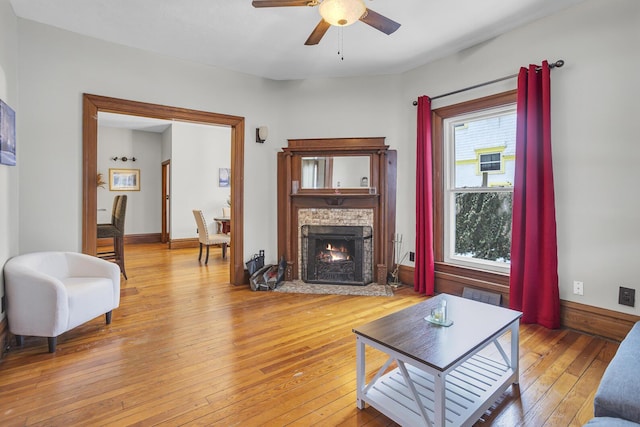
point(335, 253)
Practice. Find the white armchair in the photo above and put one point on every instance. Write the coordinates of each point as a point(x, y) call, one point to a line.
point(49, 293)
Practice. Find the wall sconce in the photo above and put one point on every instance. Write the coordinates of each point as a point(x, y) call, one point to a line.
point(124, 159)
point(261, 134)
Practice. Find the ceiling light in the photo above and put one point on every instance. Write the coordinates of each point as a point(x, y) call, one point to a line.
point(342, 12)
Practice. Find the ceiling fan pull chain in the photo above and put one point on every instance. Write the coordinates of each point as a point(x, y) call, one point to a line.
point(341, 45)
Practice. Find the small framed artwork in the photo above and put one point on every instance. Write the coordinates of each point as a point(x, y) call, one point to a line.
point(223, 177)
point(124, 179)
point(7, 135)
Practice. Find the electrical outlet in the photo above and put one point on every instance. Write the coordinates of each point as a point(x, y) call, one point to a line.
point(627, 296)
point(412, 256)
point(578, 287)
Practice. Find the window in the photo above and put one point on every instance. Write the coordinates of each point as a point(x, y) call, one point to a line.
point(478, 148)
point(490, 162)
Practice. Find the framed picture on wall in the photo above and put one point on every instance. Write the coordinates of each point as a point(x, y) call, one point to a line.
point(124, 179)
point(223, 177)
point(7, 135)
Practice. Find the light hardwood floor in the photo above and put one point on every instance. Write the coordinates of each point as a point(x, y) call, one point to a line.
point(187, 348)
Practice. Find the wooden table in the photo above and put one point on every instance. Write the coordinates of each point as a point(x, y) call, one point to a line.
point(225, 224)
point(443, 375)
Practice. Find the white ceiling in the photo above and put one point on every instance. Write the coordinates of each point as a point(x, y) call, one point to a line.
point(123, 121)
point(269, 42)
point(145, 124)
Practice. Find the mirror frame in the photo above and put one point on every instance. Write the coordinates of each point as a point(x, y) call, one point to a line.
point(321, 147)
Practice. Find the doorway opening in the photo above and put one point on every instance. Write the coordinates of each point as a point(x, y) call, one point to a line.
point(92, 104)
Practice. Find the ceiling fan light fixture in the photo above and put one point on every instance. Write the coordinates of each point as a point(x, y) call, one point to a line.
point(342, 12)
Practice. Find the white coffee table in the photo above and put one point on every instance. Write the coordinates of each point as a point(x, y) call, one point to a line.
point(443, 376)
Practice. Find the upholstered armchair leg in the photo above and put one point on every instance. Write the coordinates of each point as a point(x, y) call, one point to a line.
point(52, 344)
point(207, 259)
point(200, 254)
point(224, 250)
point(19, 340)
point(107, 317)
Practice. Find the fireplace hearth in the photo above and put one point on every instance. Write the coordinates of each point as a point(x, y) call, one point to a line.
point(337, 254)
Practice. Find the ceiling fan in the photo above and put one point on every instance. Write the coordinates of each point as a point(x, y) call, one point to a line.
point(338, 13)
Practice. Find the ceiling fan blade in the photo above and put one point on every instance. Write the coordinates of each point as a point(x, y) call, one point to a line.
point(380, 22)
point(280, 3)
point(318, 33)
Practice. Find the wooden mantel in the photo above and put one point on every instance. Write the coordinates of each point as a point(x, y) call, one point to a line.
point(382, 200)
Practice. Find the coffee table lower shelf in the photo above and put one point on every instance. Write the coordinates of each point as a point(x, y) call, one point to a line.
point(471, 389)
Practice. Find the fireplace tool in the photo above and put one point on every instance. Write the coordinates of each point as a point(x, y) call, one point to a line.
point(397, 250)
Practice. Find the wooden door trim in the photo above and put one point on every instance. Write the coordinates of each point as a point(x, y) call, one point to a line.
point(92, 104)
point(164, 234)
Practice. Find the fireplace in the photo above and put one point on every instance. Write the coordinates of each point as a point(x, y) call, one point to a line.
point(347, 204)
point(337, 254)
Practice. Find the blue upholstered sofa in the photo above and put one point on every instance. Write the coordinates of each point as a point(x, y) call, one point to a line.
point(617, 400)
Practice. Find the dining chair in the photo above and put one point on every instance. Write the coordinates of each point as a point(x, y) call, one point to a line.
point(115, 231)
point(207, 237)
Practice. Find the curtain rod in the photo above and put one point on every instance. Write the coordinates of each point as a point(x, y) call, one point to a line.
point(559, 63)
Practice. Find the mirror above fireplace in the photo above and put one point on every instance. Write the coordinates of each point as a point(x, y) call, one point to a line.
point(335, 172)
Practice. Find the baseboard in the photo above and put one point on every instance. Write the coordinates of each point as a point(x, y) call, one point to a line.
point(597, 321)
point(454, 284)
point(592, 320)
point(405, 275)
point(184, 243)
point(131, 239)
point(143, 238)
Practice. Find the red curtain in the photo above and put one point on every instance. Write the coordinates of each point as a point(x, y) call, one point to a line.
point(534, 260)
point(423, 272)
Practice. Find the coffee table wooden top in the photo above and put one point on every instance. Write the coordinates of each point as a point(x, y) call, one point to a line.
point(440, 347)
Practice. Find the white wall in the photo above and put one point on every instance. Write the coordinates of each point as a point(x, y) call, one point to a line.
point(166, 144)
point(197, 154)
point(9, 174)
point(594, 105)
point(143, 207)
